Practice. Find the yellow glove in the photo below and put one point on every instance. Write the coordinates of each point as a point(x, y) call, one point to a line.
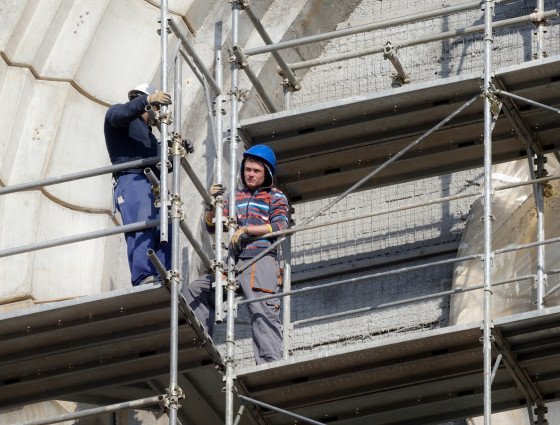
point(159, 98)
point(235, 239)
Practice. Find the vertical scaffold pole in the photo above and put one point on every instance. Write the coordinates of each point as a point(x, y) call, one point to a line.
point(540, 31)
point(176, 209)
point(218, 122)
point(230, 341)
point(287, 327)
point(164, 197)
point(164, 222)
point(487, 327)
point(539, 203)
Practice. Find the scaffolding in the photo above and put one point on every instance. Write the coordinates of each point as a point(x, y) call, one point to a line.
point(456, 347)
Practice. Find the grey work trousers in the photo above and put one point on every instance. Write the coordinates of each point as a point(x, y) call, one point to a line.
point(262, 278)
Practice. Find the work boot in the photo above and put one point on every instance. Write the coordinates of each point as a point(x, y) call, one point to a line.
point(151, 280)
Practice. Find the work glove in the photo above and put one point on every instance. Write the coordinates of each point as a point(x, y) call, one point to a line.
point(216, 190)
point(159, 98)
point(239, 235)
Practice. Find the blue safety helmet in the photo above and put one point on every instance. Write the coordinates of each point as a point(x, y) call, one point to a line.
point(262, 153)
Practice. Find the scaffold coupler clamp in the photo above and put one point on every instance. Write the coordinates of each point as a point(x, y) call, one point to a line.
point(231, 284)
point(538, 18)
point(492, 95)
point(483, 259)
point(167, 28)
point(230, 222)
point(170, 400)
point(216, 267)
point(176, 208)
point(166, 117)
point(240, 94)
point(242, 4)
point(286, 84)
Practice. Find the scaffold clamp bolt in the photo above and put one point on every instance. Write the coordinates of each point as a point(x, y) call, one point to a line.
point(170, 400)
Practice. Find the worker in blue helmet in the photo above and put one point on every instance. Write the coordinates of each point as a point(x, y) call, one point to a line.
point(128, 136)
point(261, 209)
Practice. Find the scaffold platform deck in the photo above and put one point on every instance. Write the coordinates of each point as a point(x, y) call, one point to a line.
point(113, 347)
point(323, 150)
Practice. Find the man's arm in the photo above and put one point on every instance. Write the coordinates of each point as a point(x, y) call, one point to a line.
point(121, 115)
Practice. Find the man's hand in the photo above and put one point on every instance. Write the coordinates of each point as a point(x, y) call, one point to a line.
point(237, 236)
point(217, 190)
point(159, 98)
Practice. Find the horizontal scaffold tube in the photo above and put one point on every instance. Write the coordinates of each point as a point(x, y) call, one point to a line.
point(79, 175)
point(409, 300)
point(523, 99)
point(133, 227)
point(277, 409)
point(363, 28)
point(360, 278)
point(417, 40)
point(96, 411)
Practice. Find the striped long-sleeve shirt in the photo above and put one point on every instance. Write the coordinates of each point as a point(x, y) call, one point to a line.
point(264, 206)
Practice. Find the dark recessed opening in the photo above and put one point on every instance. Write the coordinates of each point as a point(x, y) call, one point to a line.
point(440, 352)
point(296, 198)
point(300, 380)
point(146, 354)
point(556, 78)
point(306, 130)
point(332, 171)
point(440, 102)
point(525, 107)
point(12, 381)
point(465, 144)
point(464, 393)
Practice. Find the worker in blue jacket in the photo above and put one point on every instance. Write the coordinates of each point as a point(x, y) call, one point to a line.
point(128, 136)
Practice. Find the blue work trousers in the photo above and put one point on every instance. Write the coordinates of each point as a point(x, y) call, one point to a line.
point(135, 201)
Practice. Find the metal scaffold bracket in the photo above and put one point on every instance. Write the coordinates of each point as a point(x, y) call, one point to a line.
point(167, 29)
point(217, 267)
point(230, 222)
point(240, 94)
point(400, 77)
point(228, 139)
point(538, 18)
point(241, 4)
point(491, 95)
point(482, 197)
point(181, 147)
point(536, 282)
point(177, 208)
point(170, 400)
point(231, 284)
point(482, 260)
point(286, 84)
point(166, 117)
point(237, 56)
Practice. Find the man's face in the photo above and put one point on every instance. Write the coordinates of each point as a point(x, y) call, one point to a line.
point(253, 172)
